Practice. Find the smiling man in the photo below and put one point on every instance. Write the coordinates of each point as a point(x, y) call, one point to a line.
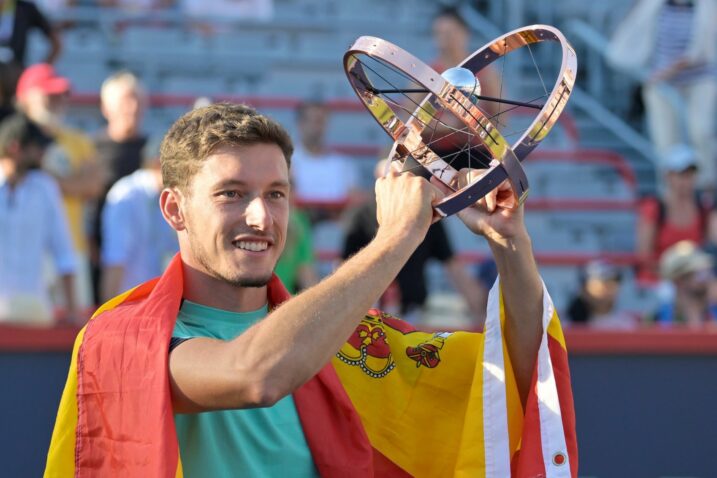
point(215, 363)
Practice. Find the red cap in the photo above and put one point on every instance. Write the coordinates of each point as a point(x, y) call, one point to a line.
point(43, 77)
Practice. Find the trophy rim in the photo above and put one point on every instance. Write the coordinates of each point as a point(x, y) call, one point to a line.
point(506, 157)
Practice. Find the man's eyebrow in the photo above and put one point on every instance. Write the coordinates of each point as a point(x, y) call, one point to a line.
point(280, 184)
point(228, 183)
point(239, 183)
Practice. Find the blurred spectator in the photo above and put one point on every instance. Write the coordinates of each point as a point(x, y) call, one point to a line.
point(680, 215)
point(313, 164)
point(138, 243)
point(451, 35)
point(33, 225)
point(596, 302)
point(8, 82)
point(42, 95)
point(362, 227)
point(138, 5)
point(673, 46)
point(296, 264)
point(688, 295)
point(123, 101)
point(119, 146)
point(56, 6)
point(246, 9)
point(17, 19)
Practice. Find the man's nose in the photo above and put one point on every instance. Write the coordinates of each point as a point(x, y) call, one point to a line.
point(258, 215)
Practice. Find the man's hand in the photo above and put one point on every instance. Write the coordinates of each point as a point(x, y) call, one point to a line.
point(404, 205)
point(498, 215)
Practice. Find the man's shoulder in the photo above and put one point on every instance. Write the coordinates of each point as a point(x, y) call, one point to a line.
point(42, 180)
point(134, 297)
point(132, 186)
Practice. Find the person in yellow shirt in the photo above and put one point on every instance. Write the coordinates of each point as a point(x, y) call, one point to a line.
point(42, 96)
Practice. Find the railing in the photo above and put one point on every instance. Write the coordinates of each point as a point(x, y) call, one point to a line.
point(581, 340)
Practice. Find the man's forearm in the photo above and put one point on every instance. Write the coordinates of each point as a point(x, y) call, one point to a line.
point(321, 319)
point(522, 292)
point(288, 347)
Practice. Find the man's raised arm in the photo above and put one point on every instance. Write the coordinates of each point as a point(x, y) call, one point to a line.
point(499, 218)
point(288, 347)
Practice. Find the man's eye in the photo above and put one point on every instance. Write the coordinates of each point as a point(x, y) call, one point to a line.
point(277, 195)
point(229, 194)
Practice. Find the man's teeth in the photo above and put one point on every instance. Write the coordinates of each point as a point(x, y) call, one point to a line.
point(252, 246)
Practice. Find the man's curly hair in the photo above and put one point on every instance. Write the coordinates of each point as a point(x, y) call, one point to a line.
point(198, 133)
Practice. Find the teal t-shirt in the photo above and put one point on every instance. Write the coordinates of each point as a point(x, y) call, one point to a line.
point(264, 442)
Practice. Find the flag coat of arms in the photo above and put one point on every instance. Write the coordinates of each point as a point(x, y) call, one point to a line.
point(394, 402)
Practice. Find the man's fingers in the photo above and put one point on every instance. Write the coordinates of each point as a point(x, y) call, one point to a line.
point(491, 200)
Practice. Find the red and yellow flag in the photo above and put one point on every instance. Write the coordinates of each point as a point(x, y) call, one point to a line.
point(394, 403)
point(447, 404)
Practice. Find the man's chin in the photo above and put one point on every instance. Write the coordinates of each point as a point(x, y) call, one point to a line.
point(252, 281)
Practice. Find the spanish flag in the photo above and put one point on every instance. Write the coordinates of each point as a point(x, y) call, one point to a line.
point(395, 402)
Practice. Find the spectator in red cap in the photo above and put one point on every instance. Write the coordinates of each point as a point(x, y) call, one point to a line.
point(42, 95)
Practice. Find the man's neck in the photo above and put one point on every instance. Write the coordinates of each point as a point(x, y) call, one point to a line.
point(678, 198)
point(204, 289)
point(315, 149)
point(452, 58)
point(120, 133)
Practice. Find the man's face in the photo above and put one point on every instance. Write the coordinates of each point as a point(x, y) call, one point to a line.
point(605, 290)
point(449, 36)
point(125, 105)
point(682, 183)
point(695, 284)
point(312, 125)
point(236, 214)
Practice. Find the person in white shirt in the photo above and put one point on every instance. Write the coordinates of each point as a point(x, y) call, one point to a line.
point(138, 243)
point(319, 175)
point(33, 225)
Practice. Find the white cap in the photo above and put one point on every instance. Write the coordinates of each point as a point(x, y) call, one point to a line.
point(680, 158)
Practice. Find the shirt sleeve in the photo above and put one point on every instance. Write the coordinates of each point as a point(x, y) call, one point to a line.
point(351, 173)
point(649, 210)
point(59, 240)
point(116, 230)
point(175, 341)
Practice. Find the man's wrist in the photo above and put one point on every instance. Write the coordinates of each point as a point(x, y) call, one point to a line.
point(520, 239)
point(407, 237)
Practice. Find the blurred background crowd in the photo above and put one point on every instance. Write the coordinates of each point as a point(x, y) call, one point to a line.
point(622, 209)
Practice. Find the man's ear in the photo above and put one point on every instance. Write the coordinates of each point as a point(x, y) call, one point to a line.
point(13, 149)
point(170, 202)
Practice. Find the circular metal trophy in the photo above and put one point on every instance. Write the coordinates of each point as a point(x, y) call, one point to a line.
point(443, 124)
